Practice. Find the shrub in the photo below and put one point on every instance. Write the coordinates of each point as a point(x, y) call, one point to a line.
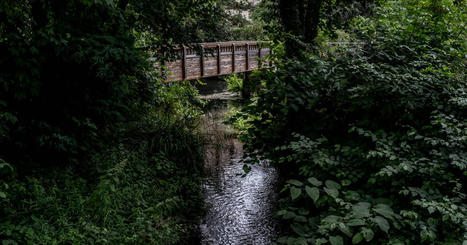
point(234, 83)
point(143, 189)
point(370, 141)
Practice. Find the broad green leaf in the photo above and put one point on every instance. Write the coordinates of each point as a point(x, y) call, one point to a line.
point(332, 192)
point(300, 218)
point(382, 223)
point(368, 234)
point(282, 239)
point(336, 240)
point(314, 181)
point(299, 229)
point(289, 215)
point(2, 194)
point(357, 238)
point(9, 242)
point(352, 195)
point(300, 241)
point(295, 182)
point(331, 219)
point(292, 241)
point(332, 184)
point(320, 241)
point(396, 241)
point(356, 222)
point(384, 210)
point(312, 192)
point(345, 229)
point(361, 210)
point(295, 192)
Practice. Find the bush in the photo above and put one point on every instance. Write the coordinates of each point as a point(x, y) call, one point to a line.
point(143, 189)
point(92, 148)
point(234, 83)
point(370, 141)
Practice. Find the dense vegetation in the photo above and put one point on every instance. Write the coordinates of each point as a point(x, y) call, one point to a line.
point(370, 139)
point(93, 148)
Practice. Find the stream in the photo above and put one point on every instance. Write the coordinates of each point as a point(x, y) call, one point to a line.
point(239, 209)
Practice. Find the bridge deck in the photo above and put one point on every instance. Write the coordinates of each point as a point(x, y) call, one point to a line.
point(214, 59)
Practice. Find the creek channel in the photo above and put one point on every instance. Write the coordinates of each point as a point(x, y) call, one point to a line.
point(239, 209)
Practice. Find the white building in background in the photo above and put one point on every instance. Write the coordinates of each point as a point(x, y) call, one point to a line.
point(244, 13)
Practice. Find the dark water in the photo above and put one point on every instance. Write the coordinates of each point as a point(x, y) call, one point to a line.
point(211, 86)
point(239, 209)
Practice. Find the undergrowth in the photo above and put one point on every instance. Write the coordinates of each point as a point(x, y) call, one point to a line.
point(144, 188)
point(370, 140)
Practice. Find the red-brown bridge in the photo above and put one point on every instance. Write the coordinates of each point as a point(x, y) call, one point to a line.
point(214, 59)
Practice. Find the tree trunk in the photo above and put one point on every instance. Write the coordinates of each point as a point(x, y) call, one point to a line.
point(290, 19)
point(300, 19)
point(312, 19)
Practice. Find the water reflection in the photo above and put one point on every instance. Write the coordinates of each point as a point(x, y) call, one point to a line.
point(239, 209)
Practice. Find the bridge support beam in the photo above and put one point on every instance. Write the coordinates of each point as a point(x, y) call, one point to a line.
point(219, 59)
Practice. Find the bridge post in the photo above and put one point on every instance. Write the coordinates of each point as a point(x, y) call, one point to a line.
point(259, 55)
point(270, 58)
point(233, 57)
point(218, 59)
point(202, 61)
point(247, 46)
point(184, 62)
point(162, 65)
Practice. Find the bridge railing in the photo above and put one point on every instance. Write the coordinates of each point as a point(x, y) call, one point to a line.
point(214, 59)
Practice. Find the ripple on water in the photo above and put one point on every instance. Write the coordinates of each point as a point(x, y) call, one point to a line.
point(240, 209)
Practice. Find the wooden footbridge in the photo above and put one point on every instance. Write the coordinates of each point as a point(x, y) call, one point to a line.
point(214, 59)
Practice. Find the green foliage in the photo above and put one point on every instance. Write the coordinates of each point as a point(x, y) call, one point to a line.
point(234, 83)
point(92, 148)
point(71, 70)
point(242, 21)
point(253, 31)
point(338, 14)
point(143, 189)
point(372, 138)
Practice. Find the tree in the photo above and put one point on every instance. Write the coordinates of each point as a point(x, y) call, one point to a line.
point(70, 70)
point(301, 19)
